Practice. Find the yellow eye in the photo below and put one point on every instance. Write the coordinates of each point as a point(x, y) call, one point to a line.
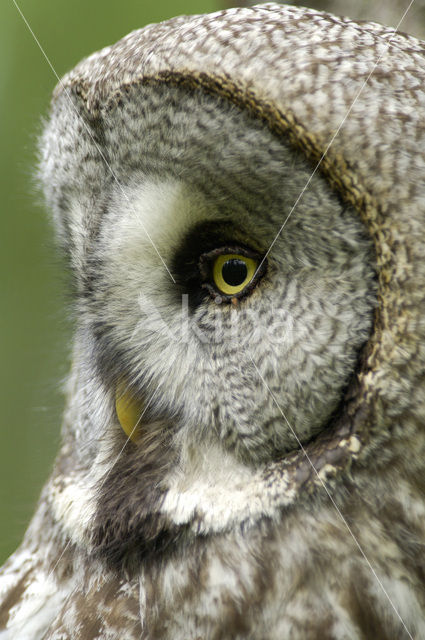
point(232, 272)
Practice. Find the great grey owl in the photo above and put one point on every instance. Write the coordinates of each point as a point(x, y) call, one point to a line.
point(241, 200)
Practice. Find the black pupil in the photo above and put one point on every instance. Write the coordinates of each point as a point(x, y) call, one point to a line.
point(234, 272)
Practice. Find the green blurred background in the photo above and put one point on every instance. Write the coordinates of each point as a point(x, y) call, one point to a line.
point(35, 334)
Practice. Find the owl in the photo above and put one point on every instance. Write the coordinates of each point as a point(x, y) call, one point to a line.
point(241, 202)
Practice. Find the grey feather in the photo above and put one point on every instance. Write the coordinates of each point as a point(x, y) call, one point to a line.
point(276, 489)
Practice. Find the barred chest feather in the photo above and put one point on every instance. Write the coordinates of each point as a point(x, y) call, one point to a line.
point(257, 582)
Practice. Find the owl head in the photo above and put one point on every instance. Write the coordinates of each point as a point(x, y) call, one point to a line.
point(222, 196)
